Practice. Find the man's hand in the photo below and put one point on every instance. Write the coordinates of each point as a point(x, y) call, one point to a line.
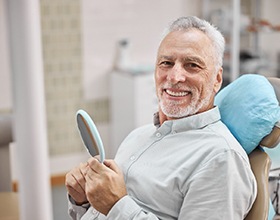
point(75, 184)
point(104, 184)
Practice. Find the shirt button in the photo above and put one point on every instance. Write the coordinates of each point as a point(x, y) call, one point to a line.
point(132, 157)
point(95, 212)
point(158, 135)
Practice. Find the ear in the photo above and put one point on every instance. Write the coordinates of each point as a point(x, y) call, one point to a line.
point(219, 80)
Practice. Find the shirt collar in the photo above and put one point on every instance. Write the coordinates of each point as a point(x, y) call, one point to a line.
point(191, 122)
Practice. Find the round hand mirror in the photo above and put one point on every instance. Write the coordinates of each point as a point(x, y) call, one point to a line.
point(90, 135)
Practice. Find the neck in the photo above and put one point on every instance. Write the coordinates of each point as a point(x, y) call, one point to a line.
point(163, 117)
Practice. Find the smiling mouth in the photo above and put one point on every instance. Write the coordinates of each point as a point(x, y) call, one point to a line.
point(176, 94)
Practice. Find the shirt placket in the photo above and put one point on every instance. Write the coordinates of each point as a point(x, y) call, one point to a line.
point(156, 137)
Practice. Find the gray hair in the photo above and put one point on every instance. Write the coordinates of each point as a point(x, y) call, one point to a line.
point(189, 22)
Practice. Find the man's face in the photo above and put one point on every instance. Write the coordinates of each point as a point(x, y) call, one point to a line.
point(185, 75)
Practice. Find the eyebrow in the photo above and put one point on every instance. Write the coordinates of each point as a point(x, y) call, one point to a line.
point(194, 59)
point(164, 57)
point(185, 59)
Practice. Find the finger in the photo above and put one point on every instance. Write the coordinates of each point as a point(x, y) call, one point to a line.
point(80, 186)
point(95, 165)
point(97, 157)
point(79, 174)
point(91, 175)
point(76, 195)
point(74, 192)
point(78, 179)
point(84, 170)
point(111, 164)
point(72, 183)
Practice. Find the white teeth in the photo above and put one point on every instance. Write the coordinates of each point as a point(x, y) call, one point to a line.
point(178, 94)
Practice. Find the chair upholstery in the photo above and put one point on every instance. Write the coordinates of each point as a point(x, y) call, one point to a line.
point(260, 164)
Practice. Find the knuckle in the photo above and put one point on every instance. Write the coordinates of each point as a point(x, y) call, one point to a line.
point(80, 178)
point(90, 190)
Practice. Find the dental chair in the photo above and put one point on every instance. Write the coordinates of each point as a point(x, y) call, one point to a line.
point(259, 159)
point(260, 164)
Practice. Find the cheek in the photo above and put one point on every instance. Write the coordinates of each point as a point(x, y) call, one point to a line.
point(207, 90)
point(157, 84)
point(159, 78)
point(202, 88)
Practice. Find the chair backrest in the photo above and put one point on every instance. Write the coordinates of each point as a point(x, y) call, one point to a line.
point(260, 164)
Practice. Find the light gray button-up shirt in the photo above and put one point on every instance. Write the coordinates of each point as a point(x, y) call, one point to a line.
point(190, 168)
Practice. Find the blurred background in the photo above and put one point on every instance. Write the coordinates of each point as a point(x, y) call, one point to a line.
point(99, 56)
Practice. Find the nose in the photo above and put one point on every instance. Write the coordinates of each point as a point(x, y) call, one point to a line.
point(176, 74)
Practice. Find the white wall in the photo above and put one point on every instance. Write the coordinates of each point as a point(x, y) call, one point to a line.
point(105, 22)
point(5, 79)
point(269, 41)
point(270, 44)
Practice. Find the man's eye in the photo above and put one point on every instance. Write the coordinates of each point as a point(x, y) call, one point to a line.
point(165, 63)
point(193, 65)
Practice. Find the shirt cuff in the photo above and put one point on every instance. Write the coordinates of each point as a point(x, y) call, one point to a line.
point(125, 208)
point(73, 203)
point(76, 211)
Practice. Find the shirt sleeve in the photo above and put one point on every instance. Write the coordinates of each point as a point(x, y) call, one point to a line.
point(127, 208)
point(76, 211)
point(225, 188)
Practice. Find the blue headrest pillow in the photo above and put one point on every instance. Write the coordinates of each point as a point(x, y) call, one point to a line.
point(249, 108)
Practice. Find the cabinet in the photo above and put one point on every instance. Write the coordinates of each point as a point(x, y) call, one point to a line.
point(133, 103)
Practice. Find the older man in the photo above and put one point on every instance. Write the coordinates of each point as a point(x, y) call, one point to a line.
point(185, 166)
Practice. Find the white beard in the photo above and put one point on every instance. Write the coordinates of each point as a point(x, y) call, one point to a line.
point(173, 109)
